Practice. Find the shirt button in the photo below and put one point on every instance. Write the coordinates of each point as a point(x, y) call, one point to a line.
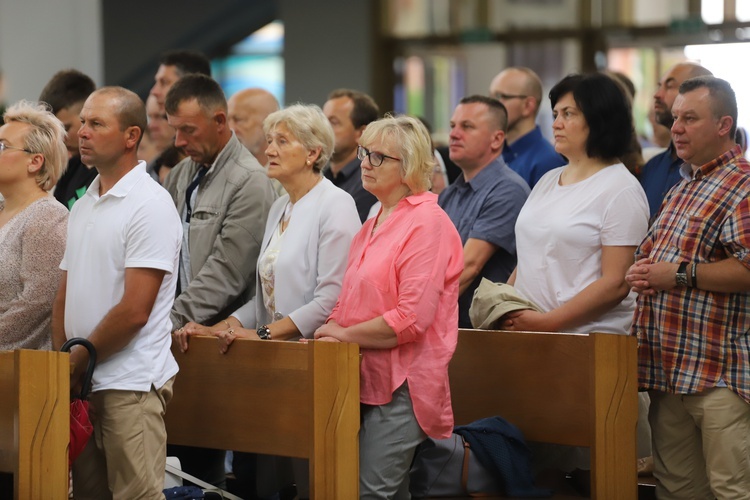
point(277, 316)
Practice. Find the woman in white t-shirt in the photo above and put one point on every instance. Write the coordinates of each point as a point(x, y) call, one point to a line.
point(577, 233)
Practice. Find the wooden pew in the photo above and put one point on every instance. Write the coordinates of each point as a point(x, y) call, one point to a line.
point(570, 389)
point(280, 398)
point(35, 422)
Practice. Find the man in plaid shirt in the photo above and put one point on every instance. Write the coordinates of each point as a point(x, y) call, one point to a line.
point(692, 273)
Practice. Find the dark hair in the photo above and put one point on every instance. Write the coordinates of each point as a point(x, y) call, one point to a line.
point(202, 88)
point(187, 62)
point(605, 109)
point(168, 158)
point(364, 112)
point(496, 108)
point(723, 100)
point(67, 88)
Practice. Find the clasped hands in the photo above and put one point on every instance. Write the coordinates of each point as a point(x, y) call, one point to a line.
point(648, 278)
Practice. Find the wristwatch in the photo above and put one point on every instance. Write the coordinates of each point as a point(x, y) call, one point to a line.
point(264, 332)
point(681, 276)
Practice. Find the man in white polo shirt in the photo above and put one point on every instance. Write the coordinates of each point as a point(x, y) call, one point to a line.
point(119, 283)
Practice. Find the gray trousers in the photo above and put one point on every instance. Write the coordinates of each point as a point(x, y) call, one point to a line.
point(388, 436)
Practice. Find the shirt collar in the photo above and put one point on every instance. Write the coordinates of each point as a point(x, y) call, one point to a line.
point(418, 199)
point(527, 140)
point(686, 170)
point(349, 169)
point(123, 186)
point(224, 152)
point(485, 175)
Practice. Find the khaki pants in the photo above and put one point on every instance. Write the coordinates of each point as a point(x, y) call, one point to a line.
point(701, 445)
point(126, 455)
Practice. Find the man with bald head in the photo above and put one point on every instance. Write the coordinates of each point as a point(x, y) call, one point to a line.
point(117, 289)
point(663, 170)
point(247, 110)
point(526, 151)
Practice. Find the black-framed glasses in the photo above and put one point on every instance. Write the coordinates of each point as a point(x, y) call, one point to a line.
point(376, 159)
point(4, 146)
point(505, 97)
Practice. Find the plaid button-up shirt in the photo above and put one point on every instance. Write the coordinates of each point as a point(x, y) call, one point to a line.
point(691, 339)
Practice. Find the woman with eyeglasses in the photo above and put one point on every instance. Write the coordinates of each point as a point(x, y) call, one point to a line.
point(399, 302)
point(33, 225)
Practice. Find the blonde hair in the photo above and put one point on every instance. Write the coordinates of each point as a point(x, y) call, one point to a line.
point(411, 137)
point(46, 137)
point(308, 124)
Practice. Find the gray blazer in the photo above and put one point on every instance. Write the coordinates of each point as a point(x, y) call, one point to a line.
point(226, 230)
point(312, 261)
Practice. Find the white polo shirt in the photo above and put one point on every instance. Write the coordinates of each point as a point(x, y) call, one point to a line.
point(135, 224)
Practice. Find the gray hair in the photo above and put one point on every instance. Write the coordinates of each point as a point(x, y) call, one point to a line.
point(308, 124)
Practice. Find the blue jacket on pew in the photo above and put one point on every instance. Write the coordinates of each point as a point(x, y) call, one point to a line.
point(501, 449)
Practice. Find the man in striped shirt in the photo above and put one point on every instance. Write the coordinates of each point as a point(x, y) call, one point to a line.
point(692, 273)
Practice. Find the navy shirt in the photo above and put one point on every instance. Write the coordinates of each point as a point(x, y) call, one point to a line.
point(658, 176)
point(349, 179)
point(531, 156)
point(486, 208)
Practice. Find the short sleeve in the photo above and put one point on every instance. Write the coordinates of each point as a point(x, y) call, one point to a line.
point(625, 220)
point(154, 236)
point(496, 221)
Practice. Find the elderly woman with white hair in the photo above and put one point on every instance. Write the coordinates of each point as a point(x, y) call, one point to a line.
point(308, 232)
point(303, 253)
point(32, 224)
point(399, 302)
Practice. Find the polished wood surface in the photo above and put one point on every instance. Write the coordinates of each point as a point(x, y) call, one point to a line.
point(578, 390)
point(280, 398)
point(35, 422)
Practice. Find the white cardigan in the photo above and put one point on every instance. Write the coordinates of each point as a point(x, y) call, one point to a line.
point(311, 264)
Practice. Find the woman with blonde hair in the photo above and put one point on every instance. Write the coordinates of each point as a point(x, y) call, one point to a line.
point(399, 302)
point(32, 224)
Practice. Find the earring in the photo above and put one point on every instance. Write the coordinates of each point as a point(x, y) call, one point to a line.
point(308, 163)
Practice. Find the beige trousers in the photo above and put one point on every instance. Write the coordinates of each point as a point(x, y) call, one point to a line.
point(125, 457)
point(701, 445)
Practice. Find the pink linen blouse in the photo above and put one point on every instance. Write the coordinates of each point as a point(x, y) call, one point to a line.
point(407, 272)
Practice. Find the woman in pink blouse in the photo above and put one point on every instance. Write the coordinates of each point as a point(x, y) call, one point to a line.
point(399, 302)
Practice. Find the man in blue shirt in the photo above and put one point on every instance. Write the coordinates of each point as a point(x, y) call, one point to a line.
point(526, 151)
point(485, 200)
point(662, 171)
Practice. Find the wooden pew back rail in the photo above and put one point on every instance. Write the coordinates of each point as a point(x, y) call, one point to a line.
point(570, 389)
point(281, 398)
point(35, 422)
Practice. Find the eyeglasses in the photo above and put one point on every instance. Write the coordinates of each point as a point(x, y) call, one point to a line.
point(504, 97)
point(4, 146)
point(376, 159)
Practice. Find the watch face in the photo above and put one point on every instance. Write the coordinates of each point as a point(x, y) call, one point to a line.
point(682, 279)
point(264, 333)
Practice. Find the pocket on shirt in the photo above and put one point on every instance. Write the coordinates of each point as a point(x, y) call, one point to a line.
point(695, 229)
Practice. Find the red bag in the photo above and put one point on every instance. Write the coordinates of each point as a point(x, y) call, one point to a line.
point(80, 424)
